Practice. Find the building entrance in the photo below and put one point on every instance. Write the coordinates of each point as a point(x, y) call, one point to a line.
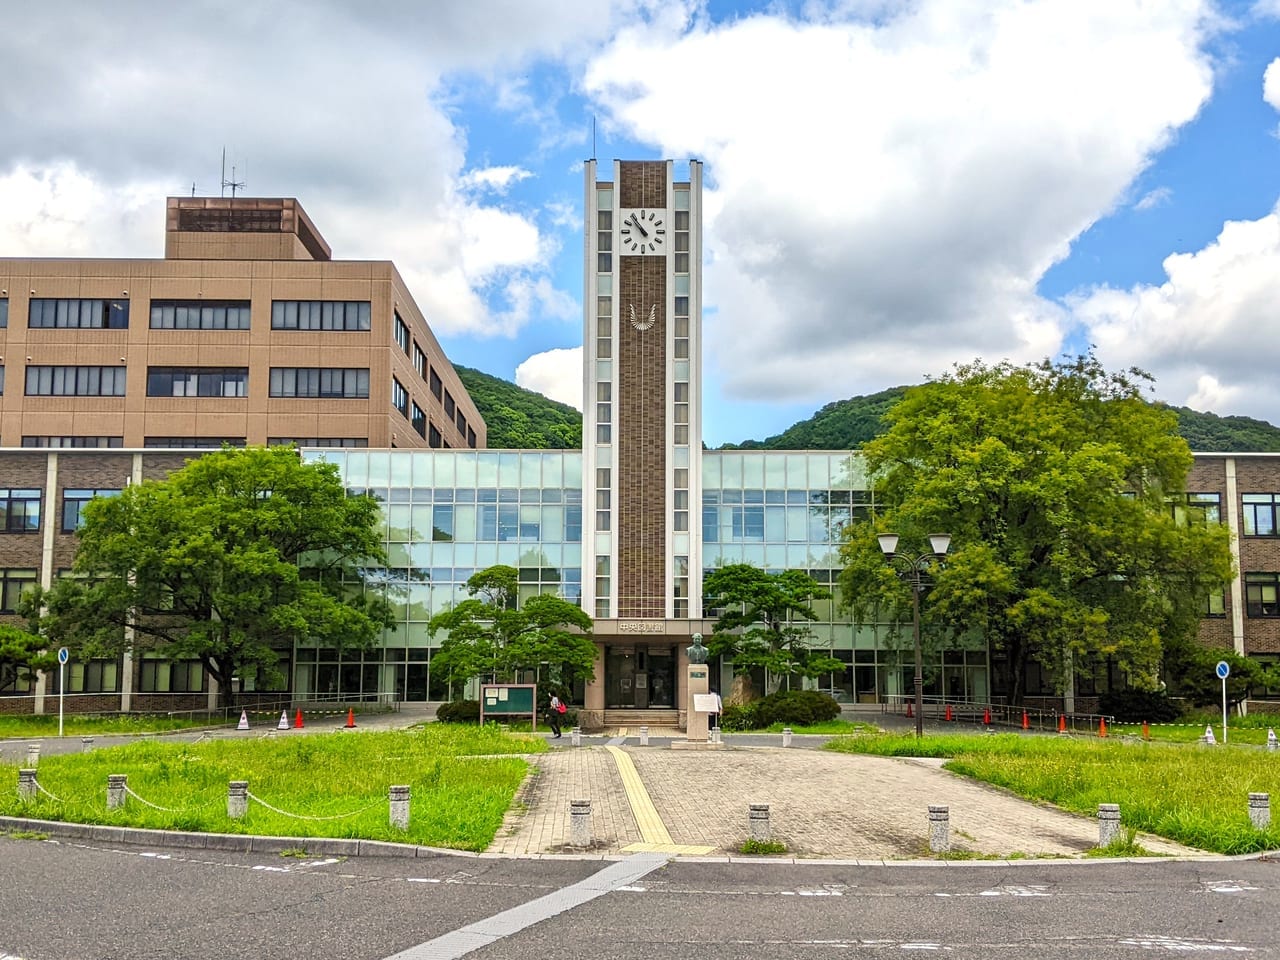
point(639, 677)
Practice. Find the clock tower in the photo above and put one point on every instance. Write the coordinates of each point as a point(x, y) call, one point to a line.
point(642, 415)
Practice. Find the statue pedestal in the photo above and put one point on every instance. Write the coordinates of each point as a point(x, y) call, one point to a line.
point(697, 732)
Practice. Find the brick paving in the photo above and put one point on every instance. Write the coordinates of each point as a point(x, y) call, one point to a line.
point(822, 804)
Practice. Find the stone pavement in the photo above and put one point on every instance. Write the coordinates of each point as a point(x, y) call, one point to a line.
point(829, 805)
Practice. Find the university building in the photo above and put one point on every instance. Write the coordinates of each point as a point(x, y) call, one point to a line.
point(626, 527)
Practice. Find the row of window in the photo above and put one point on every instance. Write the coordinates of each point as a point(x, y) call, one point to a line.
point(89, 313)
point(82, 442)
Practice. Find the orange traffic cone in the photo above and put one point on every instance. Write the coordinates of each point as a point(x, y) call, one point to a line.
point(986, 715)
point(351, 718)
point(1026, 721)
point(1102, 726)
point(297, 720)
point(1062, 723)
point(909, 713)
point(1146, 730)
point(949, 717)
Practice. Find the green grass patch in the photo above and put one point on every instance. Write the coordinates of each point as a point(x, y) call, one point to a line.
point(459, 795)
point(1195, 795)
point(46, 725)
point(24, 835)
point(762, 847)
point(1191, 731)
point(828, 727)
point(1125, 845)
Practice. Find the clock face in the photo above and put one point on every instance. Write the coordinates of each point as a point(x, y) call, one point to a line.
point(643, 232)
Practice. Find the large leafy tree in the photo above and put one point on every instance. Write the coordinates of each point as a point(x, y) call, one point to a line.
point(764, 620)
point(236, 555)
point(492, 635)
point(22, 653)
point(1054, 480)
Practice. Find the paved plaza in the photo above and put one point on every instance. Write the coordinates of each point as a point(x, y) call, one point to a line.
point(821, 804)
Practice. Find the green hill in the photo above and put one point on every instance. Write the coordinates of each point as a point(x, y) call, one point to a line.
point(519, 419)
point(848, 424)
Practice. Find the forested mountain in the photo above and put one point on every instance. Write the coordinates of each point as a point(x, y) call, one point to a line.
point(519, 419)
point(848, 424)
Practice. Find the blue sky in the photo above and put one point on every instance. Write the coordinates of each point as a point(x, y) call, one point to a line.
point(892, 188)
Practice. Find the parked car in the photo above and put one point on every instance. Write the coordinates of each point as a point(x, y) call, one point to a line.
point(838, 694)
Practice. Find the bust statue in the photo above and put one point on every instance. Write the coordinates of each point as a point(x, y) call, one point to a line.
point(697, 652)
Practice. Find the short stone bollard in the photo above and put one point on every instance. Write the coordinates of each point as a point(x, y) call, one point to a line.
point(237, 799)
point(575, 736)
point(580, 823)
point(117, 784)
point(786, 736)
point(1108, 824)
point(939, 829)
point(86, 743)
point(26, 784)
point(33, 754)
point(1260, 810)
point(644, 736)
point(400, 807)
point(715, 734)
point(758, 822)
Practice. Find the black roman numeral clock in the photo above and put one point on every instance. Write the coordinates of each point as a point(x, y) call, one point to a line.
point(643, 232)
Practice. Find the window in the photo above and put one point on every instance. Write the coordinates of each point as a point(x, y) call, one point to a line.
point(164, 676)
point(318, 441)
point(420, 362)
point(4, 312)
point(449, 406)
point(93, 676)
point(471, 438)
point(33, 441)
point(197, 381)
point(348, 383)
point(191, 443)
point(20, 509)
point(1260, 594)
point(461, 423)
point(1215, 603)
point(400, 397)
point(437, 387)
point(199, 314)
point(419, 420)
point(320, 315)
point(433, 437)
point(74, 500)
point(1, 379)
point(1196, 508)
point(75, 381)
point(1260, 514)
point(14, 584)
point(82, 314)
point(402, 333)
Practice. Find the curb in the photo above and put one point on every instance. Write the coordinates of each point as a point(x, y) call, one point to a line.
point(337, 847)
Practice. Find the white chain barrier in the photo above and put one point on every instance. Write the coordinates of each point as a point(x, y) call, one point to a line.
point(303, 816)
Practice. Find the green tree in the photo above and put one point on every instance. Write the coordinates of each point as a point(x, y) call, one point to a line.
point(235, 556)
point(1054, 481)
point(492, 635)
point(22, 653)
point(1191, 672)
point(765, 620)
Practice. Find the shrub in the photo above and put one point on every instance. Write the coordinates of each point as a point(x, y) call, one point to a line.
point(459, 711)
point(739, 718)
point(797, 708)
point(1137, 706)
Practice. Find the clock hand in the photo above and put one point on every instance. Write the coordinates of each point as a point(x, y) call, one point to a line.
point(638, 226)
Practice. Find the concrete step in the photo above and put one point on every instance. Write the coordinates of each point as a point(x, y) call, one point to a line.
point(636, 718)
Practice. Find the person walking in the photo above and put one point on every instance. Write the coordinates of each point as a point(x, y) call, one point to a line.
point(554, 709)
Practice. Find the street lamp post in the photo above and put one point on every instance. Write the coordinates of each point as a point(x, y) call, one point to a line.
point(914, 571)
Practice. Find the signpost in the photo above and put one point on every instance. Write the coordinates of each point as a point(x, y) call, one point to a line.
point(1223, 670)
point(63, 656)
point(508, 700)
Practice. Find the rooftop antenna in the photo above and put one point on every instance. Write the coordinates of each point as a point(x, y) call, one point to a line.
point(232, 183)
point(193, 188)
point(593, 136)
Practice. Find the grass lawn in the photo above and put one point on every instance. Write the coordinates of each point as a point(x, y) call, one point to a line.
point(78, 725)
point(1251, 729)
point(1192, 794)
point(829, 727)
point(456, 801)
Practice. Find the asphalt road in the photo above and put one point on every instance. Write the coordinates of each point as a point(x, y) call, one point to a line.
point(61, 900)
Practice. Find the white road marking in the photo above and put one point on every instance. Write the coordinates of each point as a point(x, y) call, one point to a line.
point(422, 880)
point(1226, 886)
point(631, 889)
point(1183, 945)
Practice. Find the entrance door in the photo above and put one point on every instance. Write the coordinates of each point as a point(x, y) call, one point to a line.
point(662, 677)
point(620, 677)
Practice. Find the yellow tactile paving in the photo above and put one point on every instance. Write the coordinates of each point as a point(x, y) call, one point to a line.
point(668, 848)
point(652, 829)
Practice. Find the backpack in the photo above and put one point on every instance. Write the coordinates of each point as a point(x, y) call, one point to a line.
point(560, 707)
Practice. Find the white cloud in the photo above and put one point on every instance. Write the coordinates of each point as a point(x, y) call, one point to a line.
point(1271, 83)
point(345, 107)
point(886, 193)
point(1154, 198)
point(554, 373)
point(497, 179)
point(1204, 332)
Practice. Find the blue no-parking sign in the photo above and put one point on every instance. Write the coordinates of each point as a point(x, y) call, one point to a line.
point(1223, 670)
point(63, 654)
